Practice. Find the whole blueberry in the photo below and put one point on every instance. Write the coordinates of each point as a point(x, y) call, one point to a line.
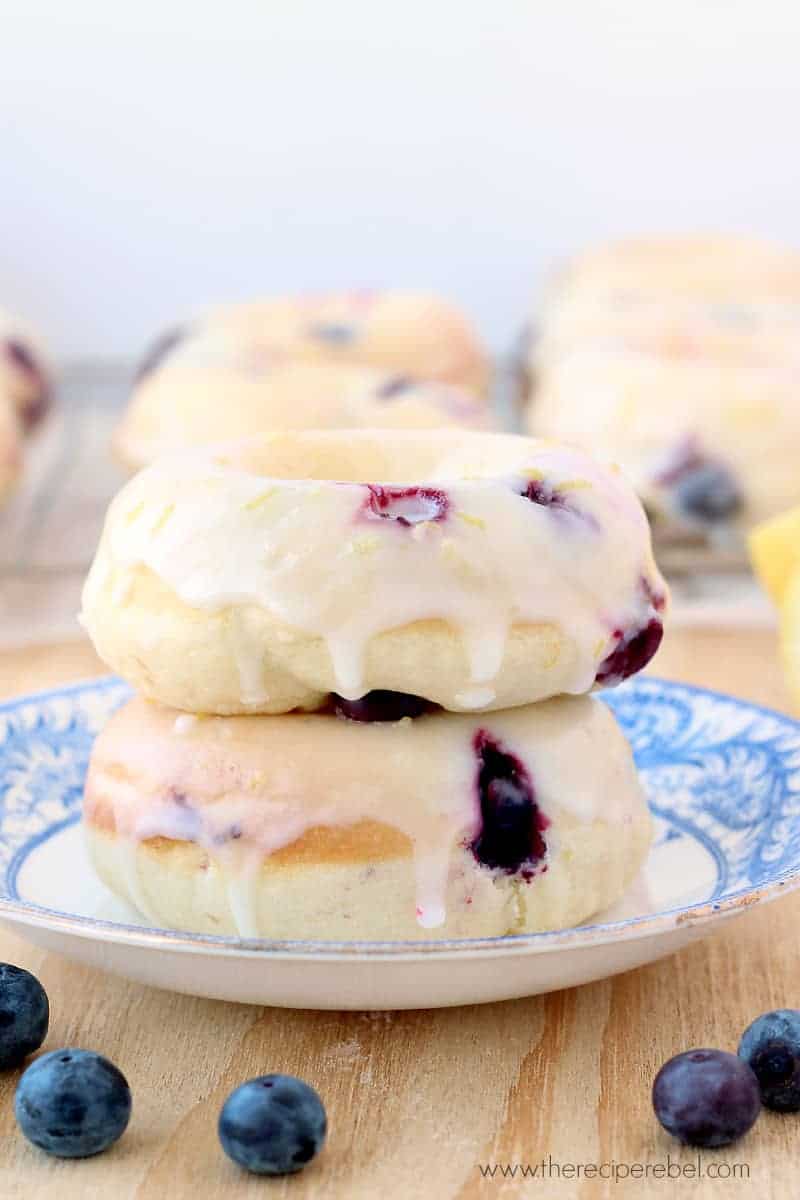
point(771, 1047)
point(273, 1125)
point(72, 1103)
point(24, 1014)
point(706, 1097)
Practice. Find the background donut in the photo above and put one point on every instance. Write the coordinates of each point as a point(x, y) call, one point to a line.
point(194, 405)
point(415, 334)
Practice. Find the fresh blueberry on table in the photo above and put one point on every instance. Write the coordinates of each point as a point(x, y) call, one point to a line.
point(771, 1047)
point(72, 1103)
point(24, 1014)
point(706, 1097)
point(273, 1125)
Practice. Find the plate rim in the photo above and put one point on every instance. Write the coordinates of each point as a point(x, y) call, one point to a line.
point(580, 937)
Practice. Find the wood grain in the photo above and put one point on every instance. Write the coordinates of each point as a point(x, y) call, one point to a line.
point(418, 1100)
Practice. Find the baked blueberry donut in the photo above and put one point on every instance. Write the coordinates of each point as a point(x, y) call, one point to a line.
point(708, 444)
point(327, 827)
point(742, 331)
point(24, 376)
point(477, 571)
point(186, 404)
point(10, 446)
point(727, 300)
point(409, 333)
point(711, 267)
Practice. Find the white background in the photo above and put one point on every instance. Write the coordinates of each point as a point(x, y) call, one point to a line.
point(157, 156)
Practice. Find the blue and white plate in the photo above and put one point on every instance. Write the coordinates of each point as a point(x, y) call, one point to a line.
point(723, 782)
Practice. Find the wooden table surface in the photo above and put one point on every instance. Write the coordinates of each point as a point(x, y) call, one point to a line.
point(419, 1101)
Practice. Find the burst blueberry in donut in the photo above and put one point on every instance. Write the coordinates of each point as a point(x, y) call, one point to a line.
point(476, 571)
point(429, 824)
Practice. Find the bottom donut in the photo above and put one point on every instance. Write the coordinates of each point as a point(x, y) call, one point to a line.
point(316, 826)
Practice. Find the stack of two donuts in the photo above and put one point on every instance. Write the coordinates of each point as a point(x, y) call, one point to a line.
point(363, 664)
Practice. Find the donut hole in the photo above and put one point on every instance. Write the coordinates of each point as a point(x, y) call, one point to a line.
point(366, 456)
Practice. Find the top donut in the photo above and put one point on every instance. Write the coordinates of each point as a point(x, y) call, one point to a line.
point(476, 571)
point(417, 334)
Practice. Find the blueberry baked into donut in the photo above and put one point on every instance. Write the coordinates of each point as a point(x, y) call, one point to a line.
point(313, 825)
point(355, 653)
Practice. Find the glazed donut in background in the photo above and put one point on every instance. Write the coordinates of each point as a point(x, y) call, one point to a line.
point(311, 826)
point(194, 405)
point(10, 446)
point(739, 331)
point(477, 571)
point(725, 298)
point(712, 267)
point(24, 375)
point(706, 443)
point(410, 333)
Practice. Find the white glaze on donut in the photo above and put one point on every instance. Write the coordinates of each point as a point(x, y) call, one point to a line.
point(243, 788)
point(446, 534)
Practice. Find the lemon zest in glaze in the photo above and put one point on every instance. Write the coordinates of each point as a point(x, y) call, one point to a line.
point(551, 659)
point(363, 544)
point(166, 513)
point(260, 499)
point(478, 522)
point(135, 512)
